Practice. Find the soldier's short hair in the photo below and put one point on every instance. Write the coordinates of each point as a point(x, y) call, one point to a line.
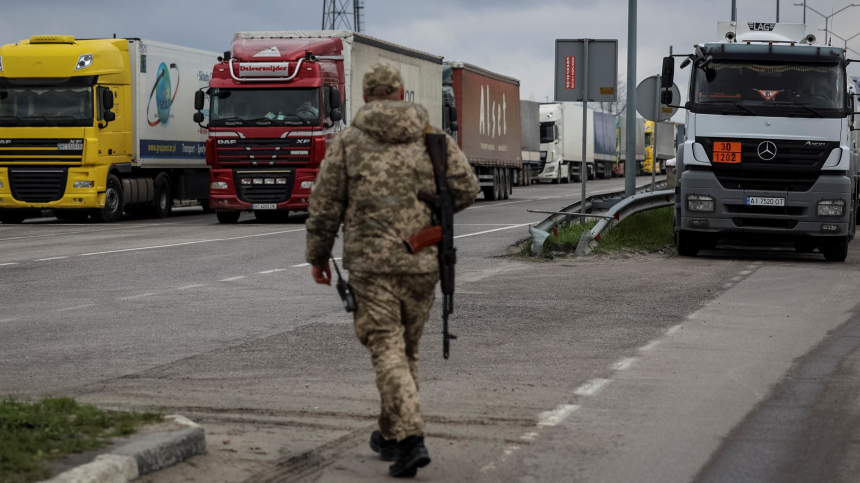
point(382, 79)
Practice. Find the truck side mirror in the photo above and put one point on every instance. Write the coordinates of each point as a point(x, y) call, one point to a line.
point(668, 74)
point(199, 99)
point(107, 99)
point(334, 100)
point(109, 116)
point(454, 127)
point(666, 97)
point(452, 114)
point(336, 115)
point(198, 117)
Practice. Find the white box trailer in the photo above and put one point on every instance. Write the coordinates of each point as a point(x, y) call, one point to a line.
point(164, 79)
point(561, 142)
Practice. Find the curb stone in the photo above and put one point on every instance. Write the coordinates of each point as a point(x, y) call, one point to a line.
point(141, 456)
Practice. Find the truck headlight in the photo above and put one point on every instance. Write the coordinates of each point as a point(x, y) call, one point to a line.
point(307, 185)
point(1, 64)
point(831, 207)
point(219, 185)
point(700, 203)
point(84, 61)
point(84, 184)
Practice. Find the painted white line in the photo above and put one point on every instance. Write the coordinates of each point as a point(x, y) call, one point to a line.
point(8, 263)
point(674, 329)
point(75, 232)
point(186, 287)
point(727, 285)
point(308, 264)
point(624, 364)
point(138, 296)
point(489, 467)
point(190, 243)
point(272, 271)
point(529, 437)
point(737, 279)
point(592, 387)
point(232, 278)
point(649, 346)
point(50, 258)
point(746, 272)
point(557, 415)
point(9, 319)
point(490, 231)
point(75, 307)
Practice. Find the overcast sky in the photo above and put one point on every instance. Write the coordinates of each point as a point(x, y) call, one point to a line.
point(515, 38)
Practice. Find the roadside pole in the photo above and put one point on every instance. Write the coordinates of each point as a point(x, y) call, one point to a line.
point(630, 156)
point(654, 137)
point(583, 170)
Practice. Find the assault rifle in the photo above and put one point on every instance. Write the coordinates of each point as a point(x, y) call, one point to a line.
point(442, 234)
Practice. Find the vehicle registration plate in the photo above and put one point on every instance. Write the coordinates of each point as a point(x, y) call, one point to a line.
point(759, 201)
point(264, 206)
point(70, 147)
point(727, 152)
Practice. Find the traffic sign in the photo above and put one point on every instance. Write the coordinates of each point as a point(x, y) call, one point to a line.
point(601, 69)
point(648, 99)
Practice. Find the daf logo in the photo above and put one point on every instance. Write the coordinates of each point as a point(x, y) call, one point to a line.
point(811, 143)
point(767, 151)
point(226, 141)
point(5, 141)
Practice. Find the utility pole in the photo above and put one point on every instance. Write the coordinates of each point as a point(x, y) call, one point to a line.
point(777, 11)
point(734, 10)
point(336, 15)
point(630, 156)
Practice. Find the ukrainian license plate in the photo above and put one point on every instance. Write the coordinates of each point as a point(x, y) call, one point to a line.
point(264, 206)
point(759, 201)
point(727, 152)
point(70, 147)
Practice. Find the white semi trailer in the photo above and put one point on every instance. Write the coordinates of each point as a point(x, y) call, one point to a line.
point(561, 142)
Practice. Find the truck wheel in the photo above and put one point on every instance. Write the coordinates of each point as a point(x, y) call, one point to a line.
point(576, 177)
point(569, 177)
point(557, 179)
point(836, 250)
point(687, 244)
point(12, 217)
point(163, 201)
point(228, 217)
point(507, 185)
point(590, 169)
point(72, 216)
point(113, 202)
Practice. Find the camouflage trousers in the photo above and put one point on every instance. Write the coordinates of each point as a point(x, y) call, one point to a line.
point(392, 311)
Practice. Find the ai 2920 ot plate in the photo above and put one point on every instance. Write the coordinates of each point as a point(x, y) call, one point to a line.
point(264, 206)
point(760, 201)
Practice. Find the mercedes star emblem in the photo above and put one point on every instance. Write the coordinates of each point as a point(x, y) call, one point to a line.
point(767, 151)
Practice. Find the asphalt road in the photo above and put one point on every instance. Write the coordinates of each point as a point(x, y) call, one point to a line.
point(737, 365)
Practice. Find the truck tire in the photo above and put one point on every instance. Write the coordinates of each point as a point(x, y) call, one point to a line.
point(497, 188)
point(836, 250)
point(508, 184)
point(557, 179)
point(228, 217)
point(113, 202)
point(72, 216)
point(12, 217)
point(687, 244)
point(589, 168)
point(569, 177)
point(162, 201)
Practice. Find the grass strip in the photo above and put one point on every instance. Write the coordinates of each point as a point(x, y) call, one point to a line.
point(33, 433)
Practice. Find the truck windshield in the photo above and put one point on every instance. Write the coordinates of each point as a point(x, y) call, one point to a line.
point(547, 132)
point(46, 106)
point(265, 106)
point(783, 89)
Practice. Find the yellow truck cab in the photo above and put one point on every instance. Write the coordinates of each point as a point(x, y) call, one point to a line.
point(97, 128)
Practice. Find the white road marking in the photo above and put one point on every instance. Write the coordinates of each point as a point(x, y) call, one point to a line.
point(727, 285)
point(737, 279)
point(592, 387)
point(232, 278)
point(746, 272)
point(190, 243)
point(557, 415)
point(308, 264)
point(511, 449)
point(490, 231)
point(8, 263)
point(674, 329)
point(190, 286)
point(529, 437)
point(489, 467)
point(75, 232)
point(138, 296)
point(75, 307)
point(272, 271)
point(649, 346)
point(9, 319)
point(50, 258)
point(624, 364)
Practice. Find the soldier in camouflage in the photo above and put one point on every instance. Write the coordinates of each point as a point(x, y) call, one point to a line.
point(370, 181)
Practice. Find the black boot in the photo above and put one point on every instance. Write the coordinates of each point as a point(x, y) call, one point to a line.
point(387, 448)
point(411, 455)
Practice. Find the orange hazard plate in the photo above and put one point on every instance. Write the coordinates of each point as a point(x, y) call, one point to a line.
point(727, 152)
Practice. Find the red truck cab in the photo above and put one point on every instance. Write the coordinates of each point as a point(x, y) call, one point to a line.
point(274, 105)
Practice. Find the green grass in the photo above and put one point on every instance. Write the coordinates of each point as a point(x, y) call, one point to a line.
point(650, 230)
point(33, 433)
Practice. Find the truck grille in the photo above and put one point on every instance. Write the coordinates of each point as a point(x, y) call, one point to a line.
point(41, 151)
point(795, 167)
point(542, 164)
point(263, 193)
point(35, 185)
point(260, 151)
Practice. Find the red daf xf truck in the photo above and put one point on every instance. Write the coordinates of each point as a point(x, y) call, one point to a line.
point(278, 98)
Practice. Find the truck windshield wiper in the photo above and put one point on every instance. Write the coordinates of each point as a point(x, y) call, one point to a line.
point(14, 120)
point(34, 118)
point(65, 119)
point(734, 103)
point(231, 119)
point(800, 105)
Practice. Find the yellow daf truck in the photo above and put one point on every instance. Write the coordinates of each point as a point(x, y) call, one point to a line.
point(100, 128)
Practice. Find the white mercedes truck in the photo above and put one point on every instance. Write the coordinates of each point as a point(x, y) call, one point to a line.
point(768, 153)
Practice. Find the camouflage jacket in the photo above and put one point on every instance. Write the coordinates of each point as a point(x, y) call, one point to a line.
point(370, 180)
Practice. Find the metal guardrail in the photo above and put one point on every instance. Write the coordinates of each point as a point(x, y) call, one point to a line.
point(601, 201)
point(626, 208)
